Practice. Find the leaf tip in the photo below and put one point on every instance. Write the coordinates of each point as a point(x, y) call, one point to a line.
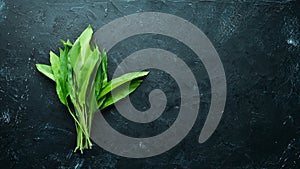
point(37, 65)
point(146, 72)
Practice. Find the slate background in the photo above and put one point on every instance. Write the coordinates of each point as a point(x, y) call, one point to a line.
point(258, 43)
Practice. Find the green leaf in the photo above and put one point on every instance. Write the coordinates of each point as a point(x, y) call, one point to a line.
point(46, 70)
point(101, 77)
point(80, 49)
point(63, 71)
point(104, 68)
point(101, 101)
point(55, 65)
point(66, 44)
point(121, 92)
point(114, 83)
point(98, 81)
point(88, 75)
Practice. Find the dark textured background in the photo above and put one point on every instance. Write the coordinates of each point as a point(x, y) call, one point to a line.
point(258, 43)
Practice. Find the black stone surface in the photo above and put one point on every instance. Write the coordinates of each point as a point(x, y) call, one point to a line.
point(258, 43)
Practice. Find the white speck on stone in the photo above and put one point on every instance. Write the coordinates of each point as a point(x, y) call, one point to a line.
point(195, 87)
point(142, 145)
point(292, 42)
point(79, 164)
point(297, 67)
point(2, 4)
point(5, 117)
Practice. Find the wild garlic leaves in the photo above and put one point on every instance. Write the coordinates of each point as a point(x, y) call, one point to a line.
point(80, 74)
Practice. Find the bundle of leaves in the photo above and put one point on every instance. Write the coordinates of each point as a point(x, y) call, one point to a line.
point(80, 74)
